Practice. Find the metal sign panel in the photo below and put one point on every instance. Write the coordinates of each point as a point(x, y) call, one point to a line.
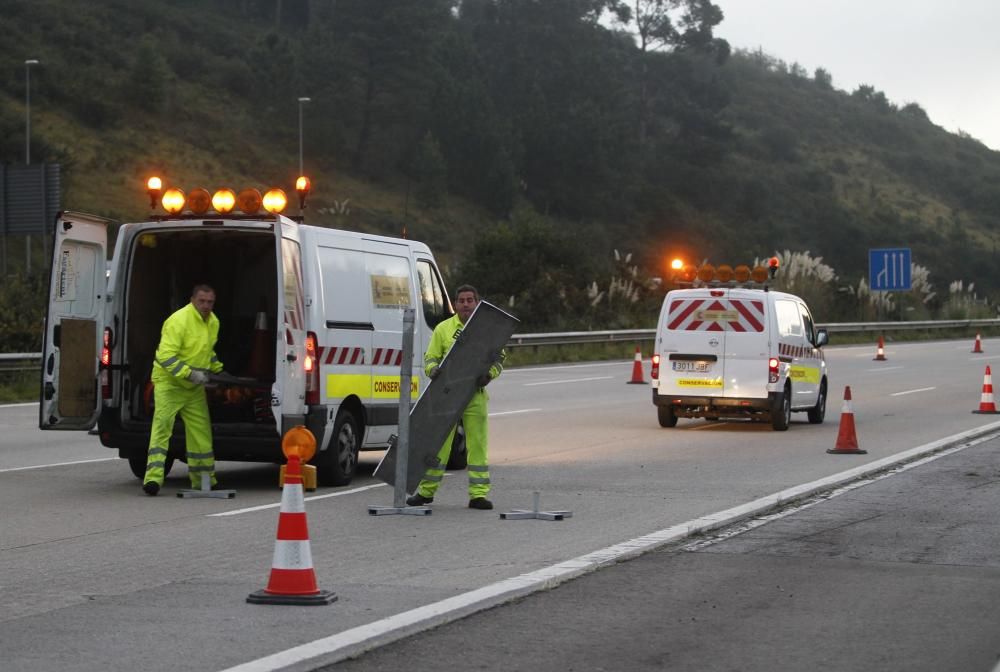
point(30, 198)
point(442, 402)
point(889, 270)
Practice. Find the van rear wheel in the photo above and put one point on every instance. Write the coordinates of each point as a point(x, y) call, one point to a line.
point(781, 412)
point(137, 463)
point(666, 416)
point(336, 465)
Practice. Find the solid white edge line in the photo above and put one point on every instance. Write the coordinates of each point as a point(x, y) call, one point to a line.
point(59, 464)
point(523, 410)
point(356, 641)
point(29, 403)
point(880, 369)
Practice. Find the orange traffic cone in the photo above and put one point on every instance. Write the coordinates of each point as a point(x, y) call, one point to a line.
point(847, 438)
point(880, 353)
point(293, 580)
point(986, 402)
point(637, 369)
point(979, 345)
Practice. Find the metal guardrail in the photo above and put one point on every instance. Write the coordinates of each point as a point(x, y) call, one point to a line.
point(19, 360)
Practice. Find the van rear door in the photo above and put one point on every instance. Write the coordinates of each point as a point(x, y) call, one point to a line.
point(71, 353)
point(289, 379)
point(714, 343)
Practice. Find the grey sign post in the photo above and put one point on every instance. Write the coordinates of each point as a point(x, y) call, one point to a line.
point(402, 440)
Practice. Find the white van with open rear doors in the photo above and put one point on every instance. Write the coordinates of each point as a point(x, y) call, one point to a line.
point(311, 319)
point(734, 348)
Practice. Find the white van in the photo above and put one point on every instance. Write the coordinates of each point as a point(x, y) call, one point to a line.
point(315, 314)
point(735, 351)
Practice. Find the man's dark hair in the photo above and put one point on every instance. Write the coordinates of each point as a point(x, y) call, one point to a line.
point(466, 288)
point(201, 288)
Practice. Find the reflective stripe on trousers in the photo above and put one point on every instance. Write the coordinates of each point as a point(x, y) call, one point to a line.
point(171, 400)
point(476, 424)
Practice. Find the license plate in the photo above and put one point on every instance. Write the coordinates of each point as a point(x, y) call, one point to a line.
point(698, 367)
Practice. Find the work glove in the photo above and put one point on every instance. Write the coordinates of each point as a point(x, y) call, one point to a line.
point(198, 377)
point(433, 373)
point(483, 380)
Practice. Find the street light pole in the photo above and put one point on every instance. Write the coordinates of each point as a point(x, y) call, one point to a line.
point(27, 109)
point(301, 101)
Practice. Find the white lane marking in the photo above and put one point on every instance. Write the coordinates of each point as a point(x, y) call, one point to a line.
point(532, 369)
point(568, 380)
point(59, 464)
point(356, 640)
point(981, 357)
point(30, 403)
point(885, 368)
point(264, 507)
point(919, 389)
point(523, 410)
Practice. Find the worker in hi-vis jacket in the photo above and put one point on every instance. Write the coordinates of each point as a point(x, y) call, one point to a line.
point(184, 358)
point(474, 417)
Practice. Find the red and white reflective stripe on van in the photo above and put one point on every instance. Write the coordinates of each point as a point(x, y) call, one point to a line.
point(340, 355)
point(714, 314)
point(387, 357)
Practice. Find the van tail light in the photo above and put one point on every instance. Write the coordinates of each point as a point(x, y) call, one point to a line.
point(106, 364)
point(655, 372)
point(772, 370)
point(311, 365)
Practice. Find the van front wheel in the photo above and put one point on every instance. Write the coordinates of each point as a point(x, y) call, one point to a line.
point(781, 411)
point(666, 416)
point(336, 465)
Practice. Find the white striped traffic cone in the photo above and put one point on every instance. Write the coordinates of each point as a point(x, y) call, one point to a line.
point(847, 437)
point(880, 351)
point(978, 347)
point(986, 402)
point(293, 580)
point(637, 368)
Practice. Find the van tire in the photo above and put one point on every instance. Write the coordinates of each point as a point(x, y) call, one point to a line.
point(458, 458)
point(818, 412)
point(666, 416)
point(336, 465)
point(137, 463)
point(781, 412)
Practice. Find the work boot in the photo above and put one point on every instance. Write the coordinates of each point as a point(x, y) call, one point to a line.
point(151, 488)
point(480, 503)
point(416, 499)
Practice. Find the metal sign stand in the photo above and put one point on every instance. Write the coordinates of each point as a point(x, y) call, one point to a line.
point(206, 490)
point(521, 514)
point(402, 445)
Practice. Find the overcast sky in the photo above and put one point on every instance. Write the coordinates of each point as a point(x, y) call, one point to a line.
point(945, 56)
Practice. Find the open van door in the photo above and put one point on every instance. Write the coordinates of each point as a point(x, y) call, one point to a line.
point(70, 394)
point(288, 398)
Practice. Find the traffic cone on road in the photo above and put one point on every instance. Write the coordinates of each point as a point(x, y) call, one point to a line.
point(986, 402)
point(880, 352)
point(979, 345)
point(847, 438)
point(637, 368)
point(293, 580)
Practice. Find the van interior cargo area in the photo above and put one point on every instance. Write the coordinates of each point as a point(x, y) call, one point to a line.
point(241, 266)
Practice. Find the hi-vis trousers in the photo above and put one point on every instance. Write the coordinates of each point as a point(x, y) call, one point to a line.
point(169, 400)
point(474, 420)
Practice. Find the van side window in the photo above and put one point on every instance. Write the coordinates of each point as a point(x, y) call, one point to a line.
point(433, 298)
point(808, 321)
point(789, 322)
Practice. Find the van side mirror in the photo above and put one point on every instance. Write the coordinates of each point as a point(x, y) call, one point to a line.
point(822, 337)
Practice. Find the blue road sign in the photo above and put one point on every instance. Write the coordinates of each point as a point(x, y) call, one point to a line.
point(889, 270)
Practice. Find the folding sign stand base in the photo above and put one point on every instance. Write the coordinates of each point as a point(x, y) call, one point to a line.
point(521, 514)
point(206, 490)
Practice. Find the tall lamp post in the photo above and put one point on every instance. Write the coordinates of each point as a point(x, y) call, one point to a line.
point(302, 101)
point(27, 109)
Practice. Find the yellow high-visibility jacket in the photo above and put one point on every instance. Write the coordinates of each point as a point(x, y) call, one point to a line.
point(187, 342)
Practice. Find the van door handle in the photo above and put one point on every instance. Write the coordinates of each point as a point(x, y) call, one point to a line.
point(291, 356)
